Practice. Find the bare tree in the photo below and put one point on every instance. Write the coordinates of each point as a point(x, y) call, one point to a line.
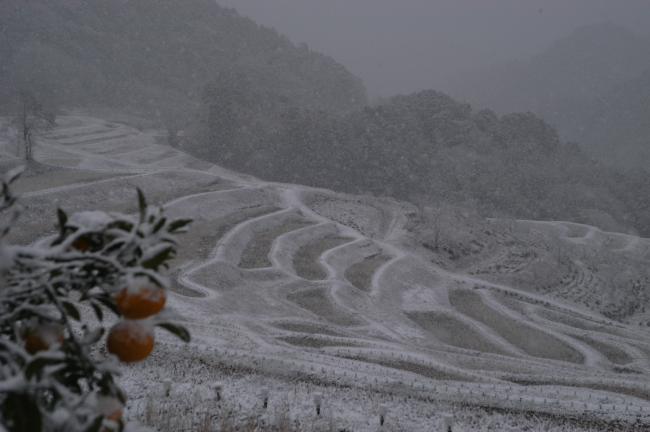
point(32, 116)
point(173, 115)
point(174, 124)
point(430, 220)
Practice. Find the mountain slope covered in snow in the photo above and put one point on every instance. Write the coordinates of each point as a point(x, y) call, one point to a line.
point(290, 283)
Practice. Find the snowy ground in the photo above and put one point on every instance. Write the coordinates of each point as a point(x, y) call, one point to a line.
point(302, 291)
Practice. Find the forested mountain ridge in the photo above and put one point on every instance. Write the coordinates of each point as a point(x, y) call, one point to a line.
point(154, 55)
point(618, 126)
point(423, 147)
point(253, 101)
point(583, 66)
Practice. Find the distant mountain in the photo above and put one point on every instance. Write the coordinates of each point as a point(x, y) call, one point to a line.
point(154, 55)
point(565, 83)
point(617, 127)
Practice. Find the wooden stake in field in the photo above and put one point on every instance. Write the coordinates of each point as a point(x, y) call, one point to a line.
point(382, 415)
point(448, 422)
point(167, 387)
point(217, 388)
point(318, 399)
point(265, 398)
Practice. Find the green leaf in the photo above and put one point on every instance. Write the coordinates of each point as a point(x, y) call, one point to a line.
point(142, 204)
point(99, 313)
point(36, 366)
point(63, 218)
point(177, 330)
point(122, 225)
point(22, 412)
point(158, 259)
point(159, 225)
point(71, 310)
point(108, 303)
point(179, 225)
point(14, 174)
point(96, 424)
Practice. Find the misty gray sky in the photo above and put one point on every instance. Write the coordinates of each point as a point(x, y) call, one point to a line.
point(406, 45)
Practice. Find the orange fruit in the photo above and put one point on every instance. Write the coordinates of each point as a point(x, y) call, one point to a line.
point(43, 336)
point(130, 341)
point(115, 416)
point(82, 244)
point(140, 302)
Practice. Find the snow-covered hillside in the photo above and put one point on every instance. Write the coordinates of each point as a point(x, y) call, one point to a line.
point(293, 292)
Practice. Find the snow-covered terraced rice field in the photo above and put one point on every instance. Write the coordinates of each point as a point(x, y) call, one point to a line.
point(612, 352)
point(302, 290)
point(360, 274)
point(256, 253)
point(317, 301)
point(522, 336)
point(449, 329)
point(306, 260)
point(309, 328)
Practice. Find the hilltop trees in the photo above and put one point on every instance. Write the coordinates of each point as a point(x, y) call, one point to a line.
point(420, 145)
point(54, 299)
point(129, 54)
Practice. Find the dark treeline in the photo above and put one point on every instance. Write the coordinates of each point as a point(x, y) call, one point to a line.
point(425, 146)
point(250, 99)
point(152, 57)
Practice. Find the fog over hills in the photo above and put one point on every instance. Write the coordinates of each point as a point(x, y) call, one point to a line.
point(154, 56)
point(410, 45)
point(578, 69)
point(562, 59)
point(469, 255)
point(590, 85)
point(250, 99)
point(618, 127)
